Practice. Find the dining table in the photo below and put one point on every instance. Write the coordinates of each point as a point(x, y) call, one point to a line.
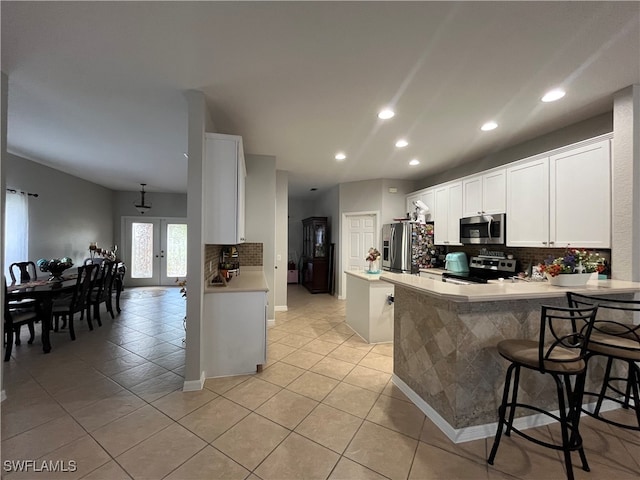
point(44, 292)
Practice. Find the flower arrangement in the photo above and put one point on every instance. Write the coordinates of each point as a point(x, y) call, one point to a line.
point(373, 255)
point(574, 260)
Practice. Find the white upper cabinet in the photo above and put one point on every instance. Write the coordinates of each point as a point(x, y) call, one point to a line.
point(224, 189)
point(528, 204)
point(561, 200)
point(580, 197)
point(448, 211)
point(484, 193)
point(427, 197)
point(555, 199)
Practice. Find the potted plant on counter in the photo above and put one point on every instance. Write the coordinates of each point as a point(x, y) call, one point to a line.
point(573, 269)
point(372, 257)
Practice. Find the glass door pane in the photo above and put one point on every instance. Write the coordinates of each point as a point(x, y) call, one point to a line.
point(175, 258)
point(142, 250)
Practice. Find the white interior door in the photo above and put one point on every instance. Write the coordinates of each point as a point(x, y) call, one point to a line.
point(361, 233)
point(155, 250)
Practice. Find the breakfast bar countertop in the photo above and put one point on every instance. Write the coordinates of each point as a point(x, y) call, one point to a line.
point(505, 290)
point(251, 279)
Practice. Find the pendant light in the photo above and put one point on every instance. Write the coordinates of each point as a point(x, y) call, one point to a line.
point(142, 207)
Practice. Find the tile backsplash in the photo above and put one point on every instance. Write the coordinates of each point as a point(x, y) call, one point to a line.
point(525, 255)
point(249, 255)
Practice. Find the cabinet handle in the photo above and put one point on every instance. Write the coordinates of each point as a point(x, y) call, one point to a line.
point(551, 243)
point(544, 243)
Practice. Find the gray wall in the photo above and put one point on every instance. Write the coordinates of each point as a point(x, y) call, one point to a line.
point(68, 213)
point(260, 216)
point(394, 204)
point(565, 136)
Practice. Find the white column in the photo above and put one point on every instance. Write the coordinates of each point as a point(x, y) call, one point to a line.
point(3, 154)
point(197, 121)
point(625, 251)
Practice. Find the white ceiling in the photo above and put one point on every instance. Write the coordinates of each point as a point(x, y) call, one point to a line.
point(96, 88)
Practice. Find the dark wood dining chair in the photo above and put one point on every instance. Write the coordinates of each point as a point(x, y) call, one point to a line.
point(67, 307)
point(26, 271)
point(17, 314)
point(100, 292)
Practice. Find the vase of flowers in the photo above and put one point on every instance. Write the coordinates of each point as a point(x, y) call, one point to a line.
point(373, 258)
point(55, 267)
point(573, 269)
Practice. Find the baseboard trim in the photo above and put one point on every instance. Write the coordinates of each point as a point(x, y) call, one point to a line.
point(487, 430)
point(280, 308)
point(271, 322)
point(194, 385)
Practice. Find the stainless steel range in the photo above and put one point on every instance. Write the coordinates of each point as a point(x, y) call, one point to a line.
point(484, 267)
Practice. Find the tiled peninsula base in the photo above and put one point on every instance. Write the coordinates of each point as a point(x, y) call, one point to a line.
point(446, 361)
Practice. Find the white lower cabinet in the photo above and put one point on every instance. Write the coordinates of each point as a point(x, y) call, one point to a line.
point(234, 333)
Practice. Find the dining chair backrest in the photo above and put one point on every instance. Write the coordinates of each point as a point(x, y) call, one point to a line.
point(86, 274)
point(26, 271)
point(108, 272)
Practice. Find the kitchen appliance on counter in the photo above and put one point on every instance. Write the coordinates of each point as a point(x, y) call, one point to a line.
point(407, 247)
point(483, 268)
point(456, 262)
point(229, 262)
point(483, 229)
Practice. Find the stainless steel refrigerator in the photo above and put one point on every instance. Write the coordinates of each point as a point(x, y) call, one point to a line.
point(407, 247)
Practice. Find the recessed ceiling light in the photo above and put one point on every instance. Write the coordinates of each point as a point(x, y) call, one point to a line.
point(489, 126)
point(553, 95)
point(414, 162)
point(340, 156)
point(402, 143)
point(386, 114)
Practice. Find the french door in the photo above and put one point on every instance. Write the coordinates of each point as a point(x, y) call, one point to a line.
point(155, 250)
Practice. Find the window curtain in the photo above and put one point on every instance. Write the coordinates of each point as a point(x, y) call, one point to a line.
point(16, 227)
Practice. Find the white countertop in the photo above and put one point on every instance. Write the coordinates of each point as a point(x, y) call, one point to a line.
point(435, 271)
point(251, 279)
point(506, 290)
point(369, 277)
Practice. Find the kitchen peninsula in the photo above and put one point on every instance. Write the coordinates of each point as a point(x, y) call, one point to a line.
point(445, 337)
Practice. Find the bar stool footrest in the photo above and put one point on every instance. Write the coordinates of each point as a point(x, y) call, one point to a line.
point(578, 439)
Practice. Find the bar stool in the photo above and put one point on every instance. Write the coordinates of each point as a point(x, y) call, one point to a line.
point(616, 339)
point(560, 351)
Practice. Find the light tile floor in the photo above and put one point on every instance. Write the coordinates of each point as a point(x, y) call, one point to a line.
point(324, 407)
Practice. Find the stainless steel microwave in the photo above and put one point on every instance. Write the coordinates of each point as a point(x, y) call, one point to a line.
point(483, 229)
